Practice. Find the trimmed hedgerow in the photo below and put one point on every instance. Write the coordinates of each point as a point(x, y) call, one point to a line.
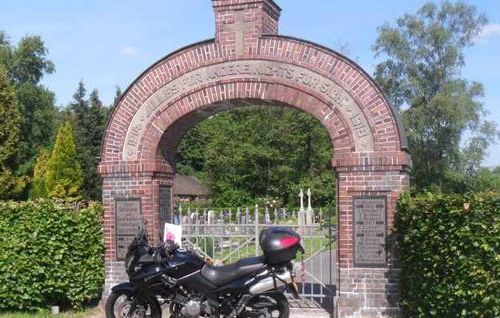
point(50, 254)
point(448, 247)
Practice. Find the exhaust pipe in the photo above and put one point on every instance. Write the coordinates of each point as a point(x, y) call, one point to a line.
point(271, 282)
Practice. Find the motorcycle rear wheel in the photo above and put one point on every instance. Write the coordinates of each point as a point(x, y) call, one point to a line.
point(119, 303)
point(270, 305)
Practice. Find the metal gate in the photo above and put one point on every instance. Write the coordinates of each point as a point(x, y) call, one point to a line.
point(226, 238)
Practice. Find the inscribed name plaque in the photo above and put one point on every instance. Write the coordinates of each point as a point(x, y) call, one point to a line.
point(128, 212)
point(369, 231)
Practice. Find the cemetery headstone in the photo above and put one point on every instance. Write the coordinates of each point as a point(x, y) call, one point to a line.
point(238, 216)
point(267, 216)
point(211, 217)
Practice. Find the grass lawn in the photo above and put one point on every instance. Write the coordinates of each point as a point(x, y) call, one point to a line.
point(88, 313)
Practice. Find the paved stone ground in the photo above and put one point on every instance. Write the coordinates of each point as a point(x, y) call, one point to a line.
point(304, 309)
point(308, 313)
point(294, 313)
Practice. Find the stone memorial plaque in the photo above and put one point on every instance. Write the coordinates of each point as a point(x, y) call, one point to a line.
point(165, 204)
point(369, 231)
point(127, 212)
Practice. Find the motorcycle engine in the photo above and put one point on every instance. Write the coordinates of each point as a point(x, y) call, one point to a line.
point(191, 309)
point(193, 306)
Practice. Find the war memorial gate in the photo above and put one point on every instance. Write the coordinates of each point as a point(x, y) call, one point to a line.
point(249, 63)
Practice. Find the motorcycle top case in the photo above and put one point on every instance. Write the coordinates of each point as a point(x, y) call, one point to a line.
point(279, 244)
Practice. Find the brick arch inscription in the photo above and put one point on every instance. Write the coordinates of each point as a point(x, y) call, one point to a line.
point(248, 63)
point(173, 87)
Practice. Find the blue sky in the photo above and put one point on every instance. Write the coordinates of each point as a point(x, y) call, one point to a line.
point(109, 43)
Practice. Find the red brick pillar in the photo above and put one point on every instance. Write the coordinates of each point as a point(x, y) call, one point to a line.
point(130, 192)
point(240, 23)
point(367, 281)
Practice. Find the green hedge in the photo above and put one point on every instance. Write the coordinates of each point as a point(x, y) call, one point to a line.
point(50, 254)
point(448, 247)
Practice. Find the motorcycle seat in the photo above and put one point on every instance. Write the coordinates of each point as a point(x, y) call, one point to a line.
point(222, 275)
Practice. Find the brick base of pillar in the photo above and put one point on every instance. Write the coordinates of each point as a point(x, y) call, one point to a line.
point(368, 293)
point(115, 274)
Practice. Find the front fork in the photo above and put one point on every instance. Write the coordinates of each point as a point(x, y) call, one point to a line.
point(135, 303)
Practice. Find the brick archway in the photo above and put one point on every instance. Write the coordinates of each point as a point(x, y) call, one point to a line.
point(248, 63)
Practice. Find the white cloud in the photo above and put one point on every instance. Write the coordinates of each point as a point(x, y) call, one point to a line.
point(129, 51)
point(489, 31)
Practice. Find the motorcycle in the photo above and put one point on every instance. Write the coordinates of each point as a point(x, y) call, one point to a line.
point(192, 287)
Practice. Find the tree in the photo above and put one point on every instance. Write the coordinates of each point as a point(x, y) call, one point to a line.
point(64, 177)
point(9, 137)
point(423, 55)
point(259, 153)
point(89, 122)
point(38, 125)
point(26, 64)
point(487, 180)
point(39, 188)
point(118, 95)
point(97, 119)
point(79, 105)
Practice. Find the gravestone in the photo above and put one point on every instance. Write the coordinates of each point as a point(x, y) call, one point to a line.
point(239, 216)
point(211, 217)
point(193, 218)
point(267, 216)
point(247, 216)
point(301, 214)
point(310, 220)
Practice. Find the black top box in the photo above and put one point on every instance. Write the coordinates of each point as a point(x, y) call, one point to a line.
point(280, 244)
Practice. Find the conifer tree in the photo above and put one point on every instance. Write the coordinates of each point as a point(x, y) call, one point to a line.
point(64, 177)
point(10, 120)
point(89, 121)
point(39, 189)
point(118, 95)
point(79, 105)
point(96, 121)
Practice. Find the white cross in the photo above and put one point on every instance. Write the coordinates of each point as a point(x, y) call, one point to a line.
point(309, 199)
point(239, 27)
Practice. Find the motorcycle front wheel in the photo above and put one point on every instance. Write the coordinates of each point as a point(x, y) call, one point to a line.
point(270, 305)
point(119, 305)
